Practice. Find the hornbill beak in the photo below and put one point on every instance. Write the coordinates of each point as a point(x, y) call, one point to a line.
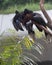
point(19, 26)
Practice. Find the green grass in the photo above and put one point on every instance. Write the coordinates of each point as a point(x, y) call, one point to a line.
point(34, 7)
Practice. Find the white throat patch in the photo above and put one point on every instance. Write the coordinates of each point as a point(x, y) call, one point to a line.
point(28, 22)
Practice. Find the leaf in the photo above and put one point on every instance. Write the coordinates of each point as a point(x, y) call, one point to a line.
point(27, 43)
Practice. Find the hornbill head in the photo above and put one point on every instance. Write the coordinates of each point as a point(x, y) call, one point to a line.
point(17, 21)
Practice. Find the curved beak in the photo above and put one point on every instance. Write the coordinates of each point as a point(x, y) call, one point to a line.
point(21, 29)
point(18, 23)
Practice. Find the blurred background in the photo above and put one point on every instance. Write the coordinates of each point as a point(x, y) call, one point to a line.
point(9, 6)
point(16, 47)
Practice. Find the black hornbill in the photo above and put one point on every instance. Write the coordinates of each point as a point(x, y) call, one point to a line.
point(23, 18)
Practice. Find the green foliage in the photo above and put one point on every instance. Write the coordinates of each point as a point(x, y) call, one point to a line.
point(39, 34)
point(4, 4)
point(33, 7)
point(11, 55)
point(11, 49)
point(27, 43)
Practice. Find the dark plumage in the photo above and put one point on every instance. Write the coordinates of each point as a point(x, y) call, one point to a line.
point(24, 17)
point(16, 21)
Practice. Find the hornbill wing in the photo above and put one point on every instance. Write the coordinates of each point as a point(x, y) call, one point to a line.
point(39, 20)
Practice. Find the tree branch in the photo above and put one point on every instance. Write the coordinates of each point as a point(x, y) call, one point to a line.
point(49, 24)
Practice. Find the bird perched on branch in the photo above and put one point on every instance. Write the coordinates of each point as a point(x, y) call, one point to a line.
point(27, 18)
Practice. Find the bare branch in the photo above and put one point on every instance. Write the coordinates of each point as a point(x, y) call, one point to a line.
point(49, 24)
